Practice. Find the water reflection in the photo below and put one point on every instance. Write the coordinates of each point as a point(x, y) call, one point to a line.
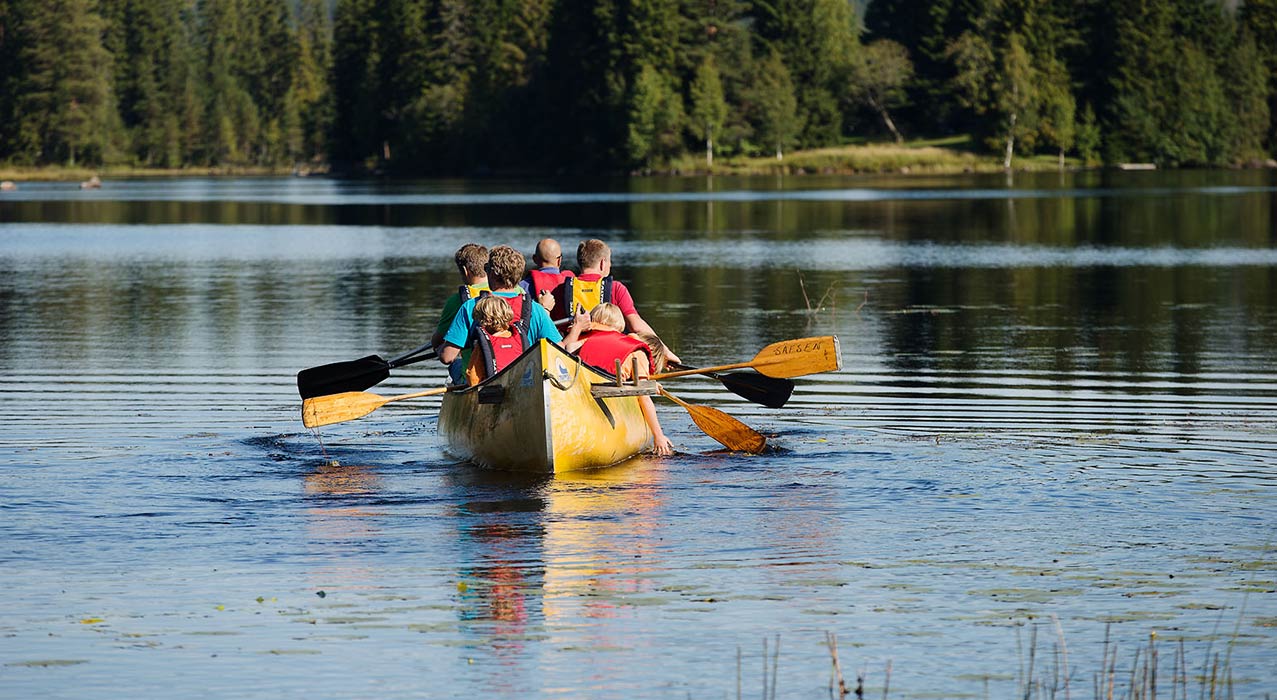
point(1030, 355)
point(541, 555)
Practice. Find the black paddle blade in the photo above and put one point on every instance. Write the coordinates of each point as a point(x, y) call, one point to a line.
point(751, 386)
point(335, 378)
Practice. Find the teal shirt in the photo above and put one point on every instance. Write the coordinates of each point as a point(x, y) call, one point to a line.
point(539, 325)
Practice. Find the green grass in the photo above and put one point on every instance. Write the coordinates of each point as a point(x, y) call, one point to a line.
point(61, 173)
point(952, 154)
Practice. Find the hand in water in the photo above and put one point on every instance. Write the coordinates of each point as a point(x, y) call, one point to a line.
point(662, 446)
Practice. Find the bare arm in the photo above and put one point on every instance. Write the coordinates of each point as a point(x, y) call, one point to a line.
point(572, 341)
point(660, 444)
point(448, 353)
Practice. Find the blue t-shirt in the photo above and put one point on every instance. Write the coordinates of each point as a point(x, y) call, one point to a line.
point(539, 323)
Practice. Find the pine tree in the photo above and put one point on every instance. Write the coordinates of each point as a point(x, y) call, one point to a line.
point(12, 74)
point(153, 61)
point(655, 118)
point(358, 55)
point(1259, 17)
point(817, 40)
point(927, 29)
point(310, 94)
point(719, 30)
point(1245, 82)
point(63, 101)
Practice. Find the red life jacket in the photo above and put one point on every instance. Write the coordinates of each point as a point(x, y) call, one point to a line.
point(539, 281)
point(497, 353)
point(602, 349)
point(521, 307)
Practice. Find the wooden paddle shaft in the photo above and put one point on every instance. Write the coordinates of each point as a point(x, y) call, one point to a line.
point(789, 358)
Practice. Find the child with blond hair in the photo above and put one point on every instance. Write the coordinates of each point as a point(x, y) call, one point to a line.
point(605, 343)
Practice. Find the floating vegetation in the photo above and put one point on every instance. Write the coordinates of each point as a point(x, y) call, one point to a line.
point(46, 663)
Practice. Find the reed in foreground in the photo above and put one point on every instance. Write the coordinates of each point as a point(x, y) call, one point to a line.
point(1149, 669)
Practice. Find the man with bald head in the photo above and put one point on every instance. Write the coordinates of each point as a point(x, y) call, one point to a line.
point(543, 281)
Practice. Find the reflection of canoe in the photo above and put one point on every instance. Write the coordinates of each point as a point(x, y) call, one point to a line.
point(538, 415)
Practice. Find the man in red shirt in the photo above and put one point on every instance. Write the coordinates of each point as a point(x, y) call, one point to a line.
point(594, 285)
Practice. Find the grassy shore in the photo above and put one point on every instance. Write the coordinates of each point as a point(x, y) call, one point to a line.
point(62, 173)
point(956, 154)
point(932, 157)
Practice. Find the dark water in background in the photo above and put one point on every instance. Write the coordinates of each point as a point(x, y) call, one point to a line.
point(1059, 402)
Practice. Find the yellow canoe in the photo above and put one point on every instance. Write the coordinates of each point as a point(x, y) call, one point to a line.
point(538, 415)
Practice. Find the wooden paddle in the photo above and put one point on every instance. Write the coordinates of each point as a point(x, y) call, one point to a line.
point(751, 386)
point(788, 358)
point(731, 433)
point(336, 408)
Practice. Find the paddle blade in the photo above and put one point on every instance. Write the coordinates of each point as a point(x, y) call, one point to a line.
point(766, 391)
point(729, 432)
point(340, 377)
point(796, 358)
point(336, 408)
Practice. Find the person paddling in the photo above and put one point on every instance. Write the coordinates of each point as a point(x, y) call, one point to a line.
point(595, 285)
point(471, 259)
point(605, 343)
point(543, 281)
point(505, 267)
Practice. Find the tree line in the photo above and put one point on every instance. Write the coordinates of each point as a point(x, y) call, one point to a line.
point(474, 86)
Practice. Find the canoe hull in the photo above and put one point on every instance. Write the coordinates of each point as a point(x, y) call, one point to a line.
point(538, 415)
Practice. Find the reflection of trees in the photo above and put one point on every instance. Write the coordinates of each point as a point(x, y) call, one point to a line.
point(247, 312)
point(1121, 320)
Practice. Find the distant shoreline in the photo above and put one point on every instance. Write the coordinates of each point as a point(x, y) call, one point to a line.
point(951, 156)
point(61, 173)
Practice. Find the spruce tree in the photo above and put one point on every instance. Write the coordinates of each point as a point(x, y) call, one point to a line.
point(817, 39)
point(62, 102)
point(1259, 17)
point(358, 55)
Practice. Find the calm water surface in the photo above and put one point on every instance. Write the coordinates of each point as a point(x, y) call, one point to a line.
point(1056, 425)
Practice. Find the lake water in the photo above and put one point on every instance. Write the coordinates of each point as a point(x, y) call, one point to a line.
point(1052, 444)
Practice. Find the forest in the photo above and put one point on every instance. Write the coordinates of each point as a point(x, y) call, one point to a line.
point(473, 87)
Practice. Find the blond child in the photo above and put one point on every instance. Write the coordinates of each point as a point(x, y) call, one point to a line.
point(605, 343)
point(497, 342)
